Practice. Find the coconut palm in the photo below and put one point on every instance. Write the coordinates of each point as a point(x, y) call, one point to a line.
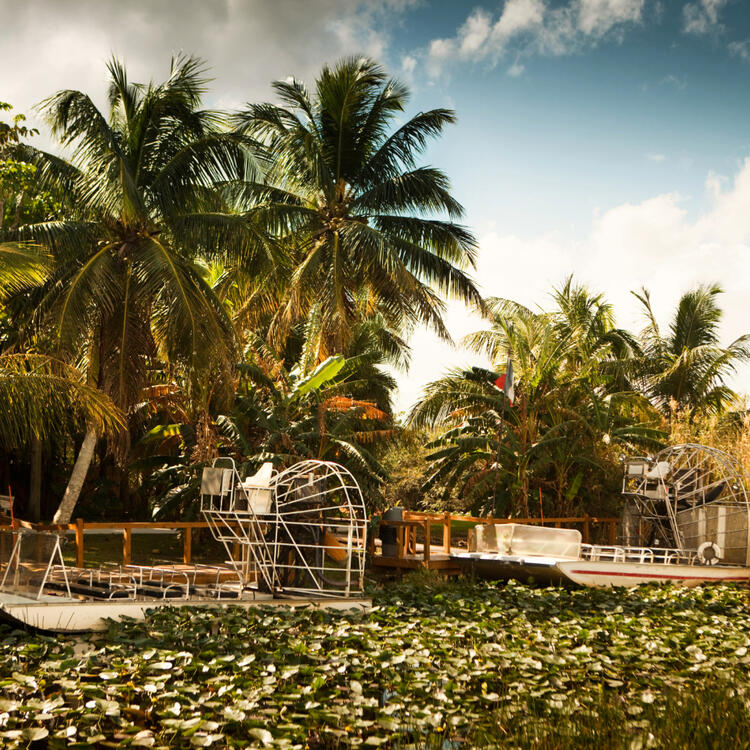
point(21, 268)
point(686, 368)
point(150, 184)
point(586, 321)
point(559, 436)
point(43, 396)
point(356, 210)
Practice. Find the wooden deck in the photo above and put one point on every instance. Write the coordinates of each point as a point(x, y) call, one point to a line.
point(412, 554)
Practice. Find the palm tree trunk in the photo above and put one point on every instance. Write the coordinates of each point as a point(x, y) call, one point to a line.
point(78, 476)
point(35, 489)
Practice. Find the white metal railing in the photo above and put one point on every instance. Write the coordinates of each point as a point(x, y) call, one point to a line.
point(643, 555)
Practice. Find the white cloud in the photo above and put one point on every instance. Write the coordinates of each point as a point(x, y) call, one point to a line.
point(741, 50)
point(247, 43)
point(517, 17)
point(528, 27)
point(597, 17)
point(702, 17)
point(673, 80)
point(656, 157)
point(516, 69)
point(408, 64)
point(653, 243)
point(474, 32)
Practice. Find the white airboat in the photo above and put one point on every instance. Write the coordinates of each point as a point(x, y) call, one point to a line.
point(292, 538)
point(686, 521)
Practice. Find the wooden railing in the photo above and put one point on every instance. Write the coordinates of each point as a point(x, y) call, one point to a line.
point(406, 531)
point(413, 521)
point(126, 528)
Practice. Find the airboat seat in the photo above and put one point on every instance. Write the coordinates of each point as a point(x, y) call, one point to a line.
point(520, 540)
point(259, 489)
point(660, 471)
point(636, 467)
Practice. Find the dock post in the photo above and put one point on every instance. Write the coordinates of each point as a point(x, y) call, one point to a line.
point(427, 529)
point(127, 532)
point(447, 533)
point(586, 530)
point(187, 541)
point(79, 542)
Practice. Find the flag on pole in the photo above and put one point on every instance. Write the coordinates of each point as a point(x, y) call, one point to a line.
point(505, 382)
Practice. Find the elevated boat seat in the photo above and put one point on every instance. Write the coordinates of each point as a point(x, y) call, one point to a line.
point(520, 540)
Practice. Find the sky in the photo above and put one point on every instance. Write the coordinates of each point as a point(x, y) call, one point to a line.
point(608, 139)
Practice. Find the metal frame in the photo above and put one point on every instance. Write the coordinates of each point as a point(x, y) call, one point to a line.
point(313, 540)
point(682, 487)
point(14, 561)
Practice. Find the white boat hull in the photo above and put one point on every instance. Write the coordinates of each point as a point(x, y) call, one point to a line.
point(62, 615)
point(596, 573)
point(608, 573)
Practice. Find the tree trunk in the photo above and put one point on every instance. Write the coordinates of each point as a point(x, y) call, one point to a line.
point(78, 476)
point(35, 488)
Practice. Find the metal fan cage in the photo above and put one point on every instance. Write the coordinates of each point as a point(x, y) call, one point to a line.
point(308, 538)
point(690, 495)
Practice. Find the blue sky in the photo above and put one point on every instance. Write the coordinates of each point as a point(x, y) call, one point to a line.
point(604, 138)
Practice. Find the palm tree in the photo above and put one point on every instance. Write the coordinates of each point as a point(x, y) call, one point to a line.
point(587, 322)
point(44, 396)
point(558, 438)
point(347, 196)
point(687, 367)
point(22, 267)
point(150, 185)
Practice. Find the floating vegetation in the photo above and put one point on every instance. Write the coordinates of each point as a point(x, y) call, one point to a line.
point(433, 665)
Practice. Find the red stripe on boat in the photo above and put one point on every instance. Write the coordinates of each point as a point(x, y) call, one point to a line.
point(659, 575)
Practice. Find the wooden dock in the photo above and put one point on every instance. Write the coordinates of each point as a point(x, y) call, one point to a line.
point(412, 533)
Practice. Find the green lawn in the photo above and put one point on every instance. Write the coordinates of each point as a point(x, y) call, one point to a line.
point(145, 549)
point(433, 665)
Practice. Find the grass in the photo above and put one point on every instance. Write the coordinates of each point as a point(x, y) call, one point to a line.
point(146, 549)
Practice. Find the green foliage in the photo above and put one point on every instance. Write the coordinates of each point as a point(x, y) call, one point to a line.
point(433, 665)
point(16, 131)
point(345, 193)
point(42, 397)
point(558, 445)
point(687, 367)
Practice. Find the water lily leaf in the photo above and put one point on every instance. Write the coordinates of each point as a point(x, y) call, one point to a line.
point(33, 734)
point(261, 734)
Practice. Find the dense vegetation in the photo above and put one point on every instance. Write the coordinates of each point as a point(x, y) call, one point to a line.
point(184, 283)
point(433, 663)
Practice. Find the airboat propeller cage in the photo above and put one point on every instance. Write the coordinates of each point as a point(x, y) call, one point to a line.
point(302, 530)
point(692, 497)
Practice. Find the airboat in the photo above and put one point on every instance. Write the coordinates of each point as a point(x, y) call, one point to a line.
point(686, 521)
point(294, 538)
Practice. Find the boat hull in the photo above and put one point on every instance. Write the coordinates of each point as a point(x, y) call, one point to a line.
point(600, 574)
point(607, 573)
point(492, 567)
point(62, 615)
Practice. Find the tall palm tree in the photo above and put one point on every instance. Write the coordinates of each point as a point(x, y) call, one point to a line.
point(345, 192)
point(687, 367)
point(150, 184)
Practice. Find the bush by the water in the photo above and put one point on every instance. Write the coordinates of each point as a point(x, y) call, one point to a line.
point(433, 665)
